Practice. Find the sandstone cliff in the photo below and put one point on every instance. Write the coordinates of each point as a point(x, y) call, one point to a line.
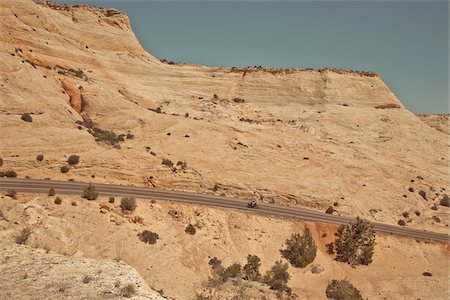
point(298, 137)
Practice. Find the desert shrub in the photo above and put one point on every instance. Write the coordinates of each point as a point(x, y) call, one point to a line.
point(342, 290)
point(51, 192)
point(238, 100)
point(73, 159)
point(130, 136)
point(401, 222)
point(58, 200)
point(233, 271)
point(10, 174)
point(330, 210)
point(26, 117)
point(22, 238)
point(429, 274)
point(128, 291)
point(1, 162)
point(107, 136)
point(89, 192)
point(387, 105)
point(190, 229)
point(12, 194)
point(128, 203)
point(64, 169)
point(355, 242)
point(300, 249)
point(167, 162)
point(74, 203)
point(215, 263)
point(277, 277)
point(405, 214)
point(148, 237)
point(251, 268)
point(111, 200)
point(40, 157)
point(445, 201)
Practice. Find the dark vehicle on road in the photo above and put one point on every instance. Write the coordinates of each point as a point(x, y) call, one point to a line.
point(252, 204)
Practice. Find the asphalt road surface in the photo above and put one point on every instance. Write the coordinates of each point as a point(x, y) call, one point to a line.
point(72, 187)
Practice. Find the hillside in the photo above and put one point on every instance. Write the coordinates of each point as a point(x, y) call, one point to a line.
point(298, 137)
point(177, 264)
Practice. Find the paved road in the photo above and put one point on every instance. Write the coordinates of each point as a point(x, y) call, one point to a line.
point(72, 187)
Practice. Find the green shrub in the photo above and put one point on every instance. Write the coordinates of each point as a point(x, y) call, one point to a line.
point(89, 192)
point(58, 200)
point(40, 157)
point(300, 249)
point(64, 169)
point(251, 268)
point(277, 277)
point(128, 203)
point(342, 290)
point(233, 271)
point(22, 238)
point(148, 237)
point(355, 242)
point(26, 117)
point(51, 192)
point(73, 159)
point(190, 229)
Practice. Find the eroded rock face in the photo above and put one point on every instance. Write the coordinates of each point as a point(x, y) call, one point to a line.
point(28, 273)
point(299, 137)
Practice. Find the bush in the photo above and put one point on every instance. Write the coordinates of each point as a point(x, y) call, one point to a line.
point(12, 194)
point(58, 200)
point(26, 117)
point(330, 210)
point(105, 136)
point(128, 203)
point(73, 159)
point(251, 268)
point(23, 237)
point(51, 192)
point(190, 229)
point(277, 277)
point(167, 162)
point(128, 291)
point(64, 169)
point(40, 157)
point(233, 271)
point(74, 203)
point(10, 174)
point(445, 201)
point(111, 199)
point(300, 249)
point(342, 290)
point(401, 222)
point(355, 242)
point(148, 237)
point(89, 192)
point(215, 263)
point(1, 162)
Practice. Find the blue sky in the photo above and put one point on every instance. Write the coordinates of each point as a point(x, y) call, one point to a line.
point(407, 42)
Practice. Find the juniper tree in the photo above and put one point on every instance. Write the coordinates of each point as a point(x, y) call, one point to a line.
point(300, 249)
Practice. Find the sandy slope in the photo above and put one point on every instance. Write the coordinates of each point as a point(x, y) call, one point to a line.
point(178, 262)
